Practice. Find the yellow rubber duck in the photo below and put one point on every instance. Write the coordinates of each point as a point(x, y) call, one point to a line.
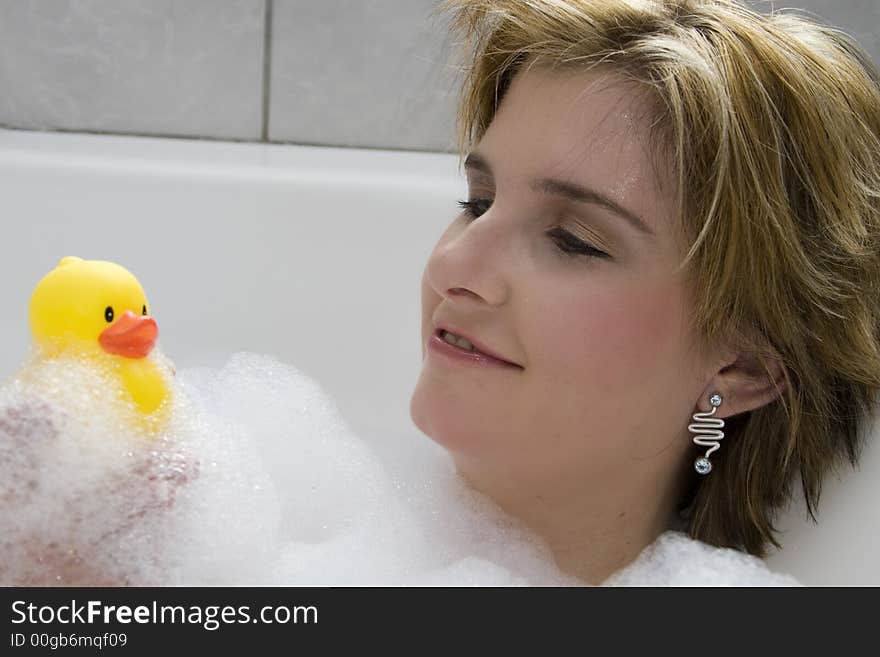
point(98, 310)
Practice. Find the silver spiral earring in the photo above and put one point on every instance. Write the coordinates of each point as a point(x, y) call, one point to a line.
point(708, 430)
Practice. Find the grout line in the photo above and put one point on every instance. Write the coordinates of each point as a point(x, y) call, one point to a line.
point(267, 66)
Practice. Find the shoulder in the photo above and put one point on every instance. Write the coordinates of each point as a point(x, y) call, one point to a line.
point(675, 559)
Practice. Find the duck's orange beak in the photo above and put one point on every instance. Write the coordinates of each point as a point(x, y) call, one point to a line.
point(132, 336)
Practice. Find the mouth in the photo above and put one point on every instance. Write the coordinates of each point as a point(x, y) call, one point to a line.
point(455, 344)
point(130, 336)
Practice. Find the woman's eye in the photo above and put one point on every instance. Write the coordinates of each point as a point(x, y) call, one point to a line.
point(475, 207)
point(565, 241)
point(571, 245)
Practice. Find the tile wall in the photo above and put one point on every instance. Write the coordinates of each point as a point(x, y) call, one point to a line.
point(363, 73)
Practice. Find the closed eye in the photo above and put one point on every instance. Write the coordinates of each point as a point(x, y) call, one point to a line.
point(475, 207)
point(564, 240)
point(572, 245)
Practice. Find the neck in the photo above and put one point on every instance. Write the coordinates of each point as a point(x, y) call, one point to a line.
point(593, 525)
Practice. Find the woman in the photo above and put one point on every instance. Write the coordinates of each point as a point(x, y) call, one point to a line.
point(673, 208)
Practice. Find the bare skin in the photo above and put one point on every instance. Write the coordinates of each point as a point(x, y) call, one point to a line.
point(586, 441)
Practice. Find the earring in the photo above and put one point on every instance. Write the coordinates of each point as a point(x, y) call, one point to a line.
point(703, 426)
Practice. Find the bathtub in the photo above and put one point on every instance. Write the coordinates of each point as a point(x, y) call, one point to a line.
point(311, 254)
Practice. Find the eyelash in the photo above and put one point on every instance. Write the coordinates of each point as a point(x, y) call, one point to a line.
point(565, 241)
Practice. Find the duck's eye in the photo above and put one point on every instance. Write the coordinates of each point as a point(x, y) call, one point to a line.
point(108, 314)
point(144, 311)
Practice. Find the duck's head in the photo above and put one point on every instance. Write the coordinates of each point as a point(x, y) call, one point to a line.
point(92, 305)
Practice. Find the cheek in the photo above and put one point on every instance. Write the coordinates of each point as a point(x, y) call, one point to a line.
point(607, 363)
point(612, 344)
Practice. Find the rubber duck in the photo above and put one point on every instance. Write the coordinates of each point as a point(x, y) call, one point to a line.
point(98, 310)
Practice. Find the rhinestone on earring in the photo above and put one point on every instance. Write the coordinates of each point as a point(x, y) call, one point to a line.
point(708, 430)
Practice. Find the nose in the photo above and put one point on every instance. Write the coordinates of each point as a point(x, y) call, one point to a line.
point(473, 261)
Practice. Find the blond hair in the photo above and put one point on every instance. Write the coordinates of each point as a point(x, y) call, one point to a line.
point(772, 125)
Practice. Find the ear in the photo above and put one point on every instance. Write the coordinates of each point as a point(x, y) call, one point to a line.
point(745, 384)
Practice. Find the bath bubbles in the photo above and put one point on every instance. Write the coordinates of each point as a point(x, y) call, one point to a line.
point(257, 480)
point(676, 560)
point(348, 516)
point(81, 488)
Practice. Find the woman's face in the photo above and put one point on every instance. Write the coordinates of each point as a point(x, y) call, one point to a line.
point(603, 379)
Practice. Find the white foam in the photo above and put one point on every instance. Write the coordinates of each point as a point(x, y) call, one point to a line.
point(676, 560)
point(348, 518)
point(257, 480)
point(79, 490)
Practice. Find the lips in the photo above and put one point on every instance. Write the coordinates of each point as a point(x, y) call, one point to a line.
point(478, 346)
point(131, 336)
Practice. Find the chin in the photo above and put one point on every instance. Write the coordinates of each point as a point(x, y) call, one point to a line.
point(443, 419)
point(420, 412)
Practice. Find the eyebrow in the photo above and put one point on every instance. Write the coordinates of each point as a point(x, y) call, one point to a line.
point(570, 191)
